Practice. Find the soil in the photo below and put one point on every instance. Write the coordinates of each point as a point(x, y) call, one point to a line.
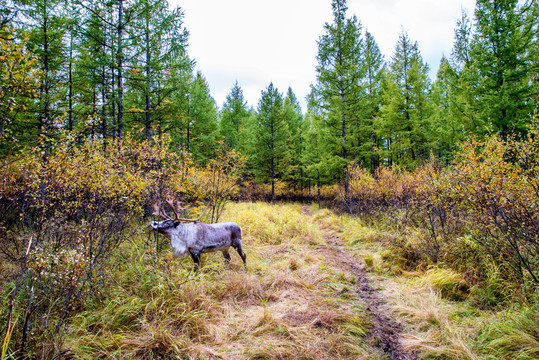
point(387, 332)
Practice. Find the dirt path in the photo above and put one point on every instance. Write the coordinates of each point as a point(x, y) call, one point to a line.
point(386, 333)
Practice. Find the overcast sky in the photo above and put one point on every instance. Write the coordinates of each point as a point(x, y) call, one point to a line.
point(260, 41)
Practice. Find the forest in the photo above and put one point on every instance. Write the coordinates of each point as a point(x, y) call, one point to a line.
point(102, 116)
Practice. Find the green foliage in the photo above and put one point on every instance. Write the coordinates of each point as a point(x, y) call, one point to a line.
point(270, 152)
point(405, 113)
point(160, 40)
point(296, 126)
point(233, 119)
point(335, 96)
point(19, 83)
point(200, 138)
point(504, 32)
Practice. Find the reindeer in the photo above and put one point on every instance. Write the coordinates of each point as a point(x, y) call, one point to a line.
point(194, 237)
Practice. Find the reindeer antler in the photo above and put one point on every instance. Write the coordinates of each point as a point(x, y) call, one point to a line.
point(157, 212)
point(193, 220)
point(170, 202)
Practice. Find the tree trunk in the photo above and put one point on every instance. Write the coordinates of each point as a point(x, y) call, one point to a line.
point(120, 75)
point(148, 84)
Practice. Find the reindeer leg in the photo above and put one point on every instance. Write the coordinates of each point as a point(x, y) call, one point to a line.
point(237, 245)
point(196, 259)
point(227, 256)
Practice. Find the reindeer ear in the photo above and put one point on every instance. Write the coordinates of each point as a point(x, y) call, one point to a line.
point(176, 223)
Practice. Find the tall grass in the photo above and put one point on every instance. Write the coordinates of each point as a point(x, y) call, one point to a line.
point(445, 314)
point(287, 304)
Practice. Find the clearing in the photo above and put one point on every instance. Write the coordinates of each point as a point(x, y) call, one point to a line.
point(315, 288)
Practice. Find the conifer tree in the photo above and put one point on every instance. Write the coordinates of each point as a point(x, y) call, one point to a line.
point(367, 142)
point(47, 28)
point(294, 119)
point(201, 132)
point(233, 117)
point(270, 153)
point(465, 79)
point(335, 94)
point(405, 113)
point(160, 44)
point(505, 30)
point(447, 127)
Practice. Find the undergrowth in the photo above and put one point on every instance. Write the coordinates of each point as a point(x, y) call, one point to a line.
point(447, 316)
point(287, 304)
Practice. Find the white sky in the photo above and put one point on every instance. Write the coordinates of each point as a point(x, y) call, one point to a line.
point(260, 41)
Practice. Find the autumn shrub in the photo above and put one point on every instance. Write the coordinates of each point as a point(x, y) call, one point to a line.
point(389, 189)
point(64, 212)
point(496, 184)
point(19, 83)
point(218, 182)
point(478, 215)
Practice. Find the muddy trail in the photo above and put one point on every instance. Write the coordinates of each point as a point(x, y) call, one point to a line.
point(387, 332)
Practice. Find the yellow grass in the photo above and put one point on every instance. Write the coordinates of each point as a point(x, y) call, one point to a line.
point(292, 302)
point(288, 304)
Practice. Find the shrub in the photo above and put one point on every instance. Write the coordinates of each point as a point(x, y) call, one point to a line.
point(64, 213)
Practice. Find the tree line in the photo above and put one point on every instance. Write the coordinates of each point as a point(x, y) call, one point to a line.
point(102, 70)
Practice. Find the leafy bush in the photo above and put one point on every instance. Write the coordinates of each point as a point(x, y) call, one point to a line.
point(64, 213)
point(478, 216)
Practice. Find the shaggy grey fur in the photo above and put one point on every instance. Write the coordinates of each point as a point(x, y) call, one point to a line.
point(196, 238)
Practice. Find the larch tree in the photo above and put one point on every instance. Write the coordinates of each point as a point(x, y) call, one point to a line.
point(294, 119)
point(233, 118)
point(46, 25)
point(505, 31)
point(201, 122)
point(405, 113)
point(270, 154)
point(160, 44)
point(335, 93)
point(367, 141)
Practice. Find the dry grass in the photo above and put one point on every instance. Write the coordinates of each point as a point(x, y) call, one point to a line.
point(292, 302)
point(289, 304)
point(437, 304)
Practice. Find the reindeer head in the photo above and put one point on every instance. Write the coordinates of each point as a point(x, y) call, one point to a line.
point(164, 227)
point(167, 225)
